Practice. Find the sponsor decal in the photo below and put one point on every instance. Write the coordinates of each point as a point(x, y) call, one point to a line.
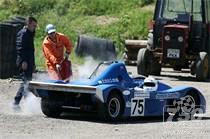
point(167, 95)
point(142, 95)
point(126, 92)
point(139, 92)
point(112, 80)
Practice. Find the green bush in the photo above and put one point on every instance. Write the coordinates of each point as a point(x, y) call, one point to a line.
point(104, 7)
point(28, 7)
point(117, 20)
point(146, 2)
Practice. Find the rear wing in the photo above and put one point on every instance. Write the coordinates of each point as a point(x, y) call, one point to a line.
point(34, 85)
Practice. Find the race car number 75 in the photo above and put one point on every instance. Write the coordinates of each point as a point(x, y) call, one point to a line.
point(137, 107)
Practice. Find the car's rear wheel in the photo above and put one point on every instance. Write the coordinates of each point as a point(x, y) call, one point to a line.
point(113, 109)
point(51, 107)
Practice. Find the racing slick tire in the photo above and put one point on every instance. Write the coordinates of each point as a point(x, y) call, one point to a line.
point(202, 66)
point(51, 107)
point(186, 107)
point(113, 109)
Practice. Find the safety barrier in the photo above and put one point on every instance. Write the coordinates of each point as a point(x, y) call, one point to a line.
point(8, 31)
point(98, 48)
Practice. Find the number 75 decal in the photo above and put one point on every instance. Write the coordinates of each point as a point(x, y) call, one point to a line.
point(137, 107)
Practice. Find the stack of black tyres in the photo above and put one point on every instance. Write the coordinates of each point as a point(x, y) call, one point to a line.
point(8, 31)
point(98, 48)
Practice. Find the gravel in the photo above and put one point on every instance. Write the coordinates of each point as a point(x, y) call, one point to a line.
point(31, 123)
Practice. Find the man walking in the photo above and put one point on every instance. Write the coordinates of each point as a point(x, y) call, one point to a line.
point(25, 55)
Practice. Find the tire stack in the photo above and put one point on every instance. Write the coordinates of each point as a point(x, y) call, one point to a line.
point(8, 31)
point(100, 49)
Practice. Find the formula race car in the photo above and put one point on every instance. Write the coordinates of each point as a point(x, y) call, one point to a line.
point(113, 94)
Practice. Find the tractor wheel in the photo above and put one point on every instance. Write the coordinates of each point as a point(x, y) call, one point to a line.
point(156, 68)
point(150, 40)
point(202, 66)
point(143, 62)
point(146, 63)
point(51, 107)
point(113, 109)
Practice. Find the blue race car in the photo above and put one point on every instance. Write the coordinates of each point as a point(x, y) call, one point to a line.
point(113, 95)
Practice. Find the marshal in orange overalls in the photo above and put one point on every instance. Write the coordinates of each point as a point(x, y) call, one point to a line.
point(54, 53)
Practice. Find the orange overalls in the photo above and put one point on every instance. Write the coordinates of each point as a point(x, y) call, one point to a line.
point(54, 53)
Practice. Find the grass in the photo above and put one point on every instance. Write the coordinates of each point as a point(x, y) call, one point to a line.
point(116, 20)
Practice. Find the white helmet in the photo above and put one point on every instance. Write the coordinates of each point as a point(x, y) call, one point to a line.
point(150, 84)
point(50, 28)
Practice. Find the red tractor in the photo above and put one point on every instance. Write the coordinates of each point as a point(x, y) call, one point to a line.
point(179, 38)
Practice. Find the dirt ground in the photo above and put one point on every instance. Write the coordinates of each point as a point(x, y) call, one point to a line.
point(30, 123)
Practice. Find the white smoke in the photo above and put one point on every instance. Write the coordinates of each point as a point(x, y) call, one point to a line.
point(30, 104)
point(41, 76)
point(85, 70)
